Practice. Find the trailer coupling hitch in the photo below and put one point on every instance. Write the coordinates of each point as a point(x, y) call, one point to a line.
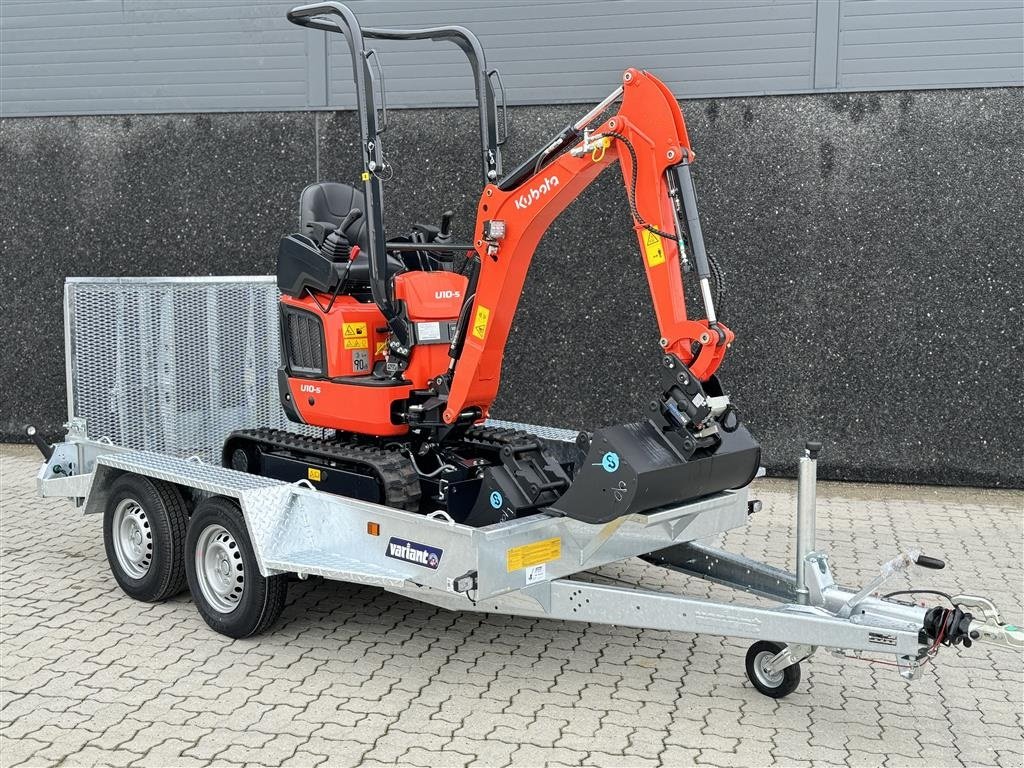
point(953, 626)
point(947, 626)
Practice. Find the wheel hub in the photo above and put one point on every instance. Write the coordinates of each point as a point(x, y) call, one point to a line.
point(762, 667)
point(220, 569)
point(132, 538)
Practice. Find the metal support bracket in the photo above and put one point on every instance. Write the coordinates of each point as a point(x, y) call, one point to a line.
point(788, 656)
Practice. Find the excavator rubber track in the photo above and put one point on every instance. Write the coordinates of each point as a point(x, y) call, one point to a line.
point(495, 438)
point(394, 472)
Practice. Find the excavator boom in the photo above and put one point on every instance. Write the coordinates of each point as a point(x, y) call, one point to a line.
point(648, 137)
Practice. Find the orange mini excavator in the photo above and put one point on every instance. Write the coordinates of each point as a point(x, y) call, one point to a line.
point(394, 346)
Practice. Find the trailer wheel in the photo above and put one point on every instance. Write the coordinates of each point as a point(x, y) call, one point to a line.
point(229, 591)
point(773, 684)
point(144, 526)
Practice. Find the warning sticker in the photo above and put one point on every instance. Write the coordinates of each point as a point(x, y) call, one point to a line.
point(357, 343)
point(483, 314)
point(653, 249)
point(537, 553)
point(313, 474)
point(379, 349)
point(350, 330)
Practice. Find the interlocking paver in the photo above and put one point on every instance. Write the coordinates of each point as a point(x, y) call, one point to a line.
point(356, 676)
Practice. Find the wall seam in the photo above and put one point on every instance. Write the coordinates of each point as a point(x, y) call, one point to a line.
point(825, 61)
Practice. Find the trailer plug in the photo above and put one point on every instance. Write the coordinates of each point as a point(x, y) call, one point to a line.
point(44, 447)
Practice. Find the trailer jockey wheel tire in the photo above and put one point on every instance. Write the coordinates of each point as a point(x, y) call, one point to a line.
point(144, 524)
point(223, 577)
point(777, 684)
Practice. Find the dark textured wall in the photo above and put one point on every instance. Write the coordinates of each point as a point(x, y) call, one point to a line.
point(872, 245)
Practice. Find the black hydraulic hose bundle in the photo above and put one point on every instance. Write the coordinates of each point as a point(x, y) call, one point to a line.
point(714, 269)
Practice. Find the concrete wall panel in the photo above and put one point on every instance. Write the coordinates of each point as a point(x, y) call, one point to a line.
point(871, 243)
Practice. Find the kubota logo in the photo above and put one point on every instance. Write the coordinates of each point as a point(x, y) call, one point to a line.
point(447, 294)
point(526, 199)
point(310, 388)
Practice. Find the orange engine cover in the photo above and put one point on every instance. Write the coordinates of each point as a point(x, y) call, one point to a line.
point(433, 301)
point(322, 347)
point(354, 333)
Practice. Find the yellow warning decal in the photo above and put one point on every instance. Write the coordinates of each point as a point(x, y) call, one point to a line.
point(483, 314)
point(313, 474)
point(534, 554)
point(348, 330)
point(379, 349)
point(653, 249)
point(365, 176)
point(356, 343)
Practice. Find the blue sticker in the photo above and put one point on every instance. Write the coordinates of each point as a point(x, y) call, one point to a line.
point(496, 500)
point(411, 552)
point(610, 461)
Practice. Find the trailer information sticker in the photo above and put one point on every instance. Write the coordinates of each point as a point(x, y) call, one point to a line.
point(537, 553)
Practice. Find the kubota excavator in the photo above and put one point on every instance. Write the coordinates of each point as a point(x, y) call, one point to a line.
point(396, 353)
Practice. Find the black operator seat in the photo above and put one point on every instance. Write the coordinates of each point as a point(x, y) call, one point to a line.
point(327, 203)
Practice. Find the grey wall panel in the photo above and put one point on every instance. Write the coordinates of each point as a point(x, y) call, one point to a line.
point(127, 56)
point(109, 56)
point(886, 44)
point(576, 51)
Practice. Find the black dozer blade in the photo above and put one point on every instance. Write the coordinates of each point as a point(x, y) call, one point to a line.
point(634, 468)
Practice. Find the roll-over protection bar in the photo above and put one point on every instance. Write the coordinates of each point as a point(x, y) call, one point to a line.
point(336, 17)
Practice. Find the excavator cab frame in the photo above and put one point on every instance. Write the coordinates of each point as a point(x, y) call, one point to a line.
point(338, 18)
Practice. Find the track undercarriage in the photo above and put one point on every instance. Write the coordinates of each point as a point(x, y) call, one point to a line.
point(487, 475)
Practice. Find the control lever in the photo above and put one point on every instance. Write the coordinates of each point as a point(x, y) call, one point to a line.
point(336, 246)
point(353, 216)
point(445, 235)
point(44, 447)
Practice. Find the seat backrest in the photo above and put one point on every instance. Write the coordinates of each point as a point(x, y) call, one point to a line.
point(330, 202)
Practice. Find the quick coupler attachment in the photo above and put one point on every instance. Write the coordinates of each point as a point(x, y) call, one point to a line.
point(635, 468)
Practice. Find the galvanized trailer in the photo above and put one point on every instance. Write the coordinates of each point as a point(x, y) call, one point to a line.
point(159, 370)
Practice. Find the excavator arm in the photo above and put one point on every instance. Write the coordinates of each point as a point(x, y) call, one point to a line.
point(648, 137)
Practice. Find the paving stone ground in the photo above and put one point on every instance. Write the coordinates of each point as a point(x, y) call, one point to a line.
point(357, 676)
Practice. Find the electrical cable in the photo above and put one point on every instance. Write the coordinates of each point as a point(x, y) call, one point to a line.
point(631, 191)
point(920, 592)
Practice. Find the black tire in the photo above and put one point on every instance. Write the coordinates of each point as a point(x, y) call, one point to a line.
point(230, 593)
point(775, 686)
point(144, 526)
